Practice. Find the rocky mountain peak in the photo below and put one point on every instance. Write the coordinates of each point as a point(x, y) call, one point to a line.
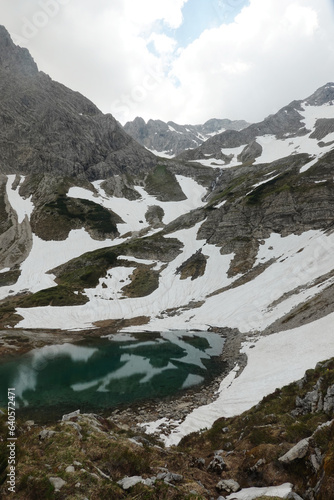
point(323, 95)
point(14, 58)
point(170, 138)
point(48, 128)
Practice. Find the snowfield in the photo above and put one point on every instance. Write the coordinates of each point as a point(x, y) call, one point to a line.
point(272, 362)
point(133, 211)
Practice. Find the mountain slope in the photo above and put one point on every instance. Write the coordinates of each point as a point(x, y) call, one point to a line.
point(46, 127)
point(169, 139)
point(102, 237)
point(296, 128)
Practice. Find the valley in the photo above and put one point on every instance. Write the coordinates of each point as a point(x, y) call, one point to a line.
point(99, 237)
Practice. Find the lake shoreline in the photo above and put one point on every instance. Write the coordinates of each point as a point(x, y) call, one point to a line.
point(132, 415)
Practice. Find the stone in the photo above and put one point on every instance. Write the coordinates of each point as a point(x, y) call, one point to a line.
point(46, 434)
point(128, 482)
point(76, 426)
point(217, 465)
point(298, 451)
point(57, 482)
point(228, 485)
point(68, 416)
point(70, 469)
point(293, 496)
point(199, 463)
point(171, 477)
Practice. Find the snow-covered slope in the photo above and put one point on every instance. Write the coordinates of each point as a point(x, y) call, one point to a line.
point(303, 126)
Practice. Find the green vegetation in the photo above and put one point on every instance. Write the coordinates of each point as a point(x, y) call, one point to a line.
point(276, 185)
point(163, 184)
point(55, 296)
point(263, 434)
point(36, 487)
point(75, 212)
point(9, 278)
point(72, 278)
point(154, 247)
point(143, 282)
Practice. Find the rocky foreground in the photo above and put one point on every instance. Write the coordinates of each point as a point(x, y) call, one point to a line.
point(286, 441)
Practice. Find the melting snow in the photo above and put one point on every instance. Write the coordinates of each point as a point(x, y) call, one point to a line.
point(272, 361)
point(23, 207)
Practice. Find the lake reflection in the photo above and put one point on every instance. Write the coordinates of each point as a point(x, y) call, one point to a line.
point(105, 373)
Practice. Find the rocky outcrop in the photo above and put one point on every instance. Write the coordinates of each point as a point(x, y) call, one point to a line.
point(251, 212)
point(250, 152)
point(298, 451)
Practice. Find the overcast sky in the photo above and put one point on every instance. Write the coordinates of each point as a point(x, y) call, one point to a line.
point(180, 60)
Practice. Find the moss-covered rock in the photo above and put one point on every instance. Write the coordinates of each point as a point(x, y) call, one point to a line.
point(163, 184)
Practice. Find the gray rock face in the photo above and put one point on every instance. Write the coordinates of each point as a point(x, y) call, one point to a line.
point(250, 152)
point(329, 400)
point(228, 485)
point(35, 112)
point(312, 402)
point(298, 451)
point(322, 95)
point(172, 139)
point(278, 205)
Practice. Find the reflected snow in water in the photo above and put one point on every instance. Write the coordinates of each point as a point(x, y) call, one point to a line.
point(105, 373)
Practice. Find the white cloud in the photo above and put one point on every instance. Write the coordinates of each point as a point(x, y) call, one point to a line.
point(275, 51)
point(163, 44)
point(144, 13)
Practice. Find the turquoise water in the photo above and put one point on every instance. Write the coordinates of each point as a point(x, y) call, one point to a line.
point(102, 374)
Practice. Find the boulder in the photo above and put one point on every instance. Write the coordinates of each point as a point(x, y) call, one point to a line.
point(296, 452)
point(217, 465)
point(228, 485)
point(57, 482)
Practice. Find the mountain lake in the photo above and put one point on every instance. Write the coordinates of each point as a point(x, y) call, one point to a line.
point(101, 374)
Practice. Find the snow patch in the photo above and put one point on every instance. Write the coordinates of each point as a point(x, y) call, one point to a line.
point(23, 207)
point(273, 361)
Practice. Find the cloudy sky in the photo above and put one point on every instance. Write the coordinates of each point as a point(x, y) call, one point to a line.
point(180, 60)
